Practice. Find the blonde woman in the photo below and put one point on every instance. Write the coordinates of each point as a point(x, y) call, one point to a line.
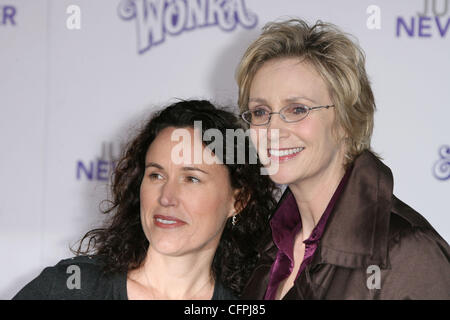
point(338, 231)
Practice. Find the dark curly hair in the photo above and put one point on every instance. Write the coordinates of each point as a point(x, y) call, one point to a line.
point(121, 242)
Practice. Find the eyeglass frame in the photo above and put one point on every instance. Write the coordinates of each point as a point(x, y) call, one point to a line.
point(282, 116)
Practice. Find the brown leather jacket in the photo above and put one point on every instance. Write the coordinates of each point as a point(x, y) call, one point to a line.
point(369, 228)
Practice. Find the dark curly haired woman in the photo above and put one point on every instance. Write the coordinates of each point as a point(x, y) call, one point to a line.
point(178, 229)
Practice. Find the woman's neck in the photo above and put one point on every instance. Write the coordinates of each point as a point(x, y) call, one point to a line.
point(176, 277)
point(313, 196)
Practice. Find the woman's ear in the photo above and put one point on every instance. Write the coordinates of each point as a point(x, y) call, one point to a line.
point(240, 200)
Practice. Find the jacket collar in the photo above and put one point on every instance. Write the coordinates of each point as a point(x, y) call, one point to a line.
point(356, 233)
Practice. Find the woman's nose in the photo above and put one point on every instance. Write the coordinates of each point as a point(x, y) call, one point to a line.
point(168, 196)
point(276, 129)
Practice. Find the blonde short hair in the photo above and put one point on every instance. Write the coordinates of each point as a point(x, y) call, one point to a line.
point(335, 56)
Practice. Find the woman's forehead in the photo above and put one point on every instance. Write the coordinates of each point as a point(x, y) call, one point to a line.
point(287, 80)
point(183, 147)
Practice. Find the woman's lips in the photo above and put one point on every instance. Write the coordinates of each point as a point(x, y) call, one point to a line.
point(284, 154)
point(167, 222)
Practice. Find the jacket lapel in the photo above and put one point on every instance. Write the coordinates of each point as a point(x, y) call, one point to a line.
point(356, 234)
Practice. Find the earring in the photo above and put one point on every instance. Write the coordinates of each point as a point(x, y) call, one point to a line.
point(234, 220)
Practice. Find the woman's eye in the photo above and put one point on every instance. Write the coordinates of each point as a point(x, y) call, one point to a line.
point(259, 113)
point(192, 179)
point(155, 176)
point(298, 109)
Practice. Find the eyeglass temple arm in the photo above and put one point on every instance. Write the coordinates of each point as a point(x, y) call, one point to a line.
point(319, 107)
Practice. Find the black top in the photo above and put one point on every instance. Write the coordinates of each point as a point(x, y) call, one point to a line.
point(82, 278)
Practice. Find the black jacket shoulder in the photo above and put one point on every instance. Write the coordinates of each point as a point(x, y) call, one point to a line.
point(80, 277)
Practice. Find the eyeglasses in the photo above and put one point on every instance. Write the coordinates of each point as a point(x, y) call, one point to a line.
point(261, 116)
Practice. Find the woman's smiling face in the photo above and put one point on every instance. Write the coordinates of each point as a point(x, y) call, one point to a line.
point(304, 149)
point(184, 206)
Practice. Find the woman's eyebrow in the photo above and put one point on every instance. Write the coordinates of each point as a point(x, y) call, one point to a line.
point(194, 169)
point(288, 100)
point(295, 99)
point(153, 164)
point(258, 100)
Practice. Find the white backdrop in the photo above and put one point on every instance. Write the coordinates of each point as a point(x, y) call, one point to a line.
point(69, 97)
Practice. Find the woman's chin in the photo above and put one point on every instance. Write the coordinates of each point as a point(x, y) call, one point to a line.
point(282, 177)
point(169, 248)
